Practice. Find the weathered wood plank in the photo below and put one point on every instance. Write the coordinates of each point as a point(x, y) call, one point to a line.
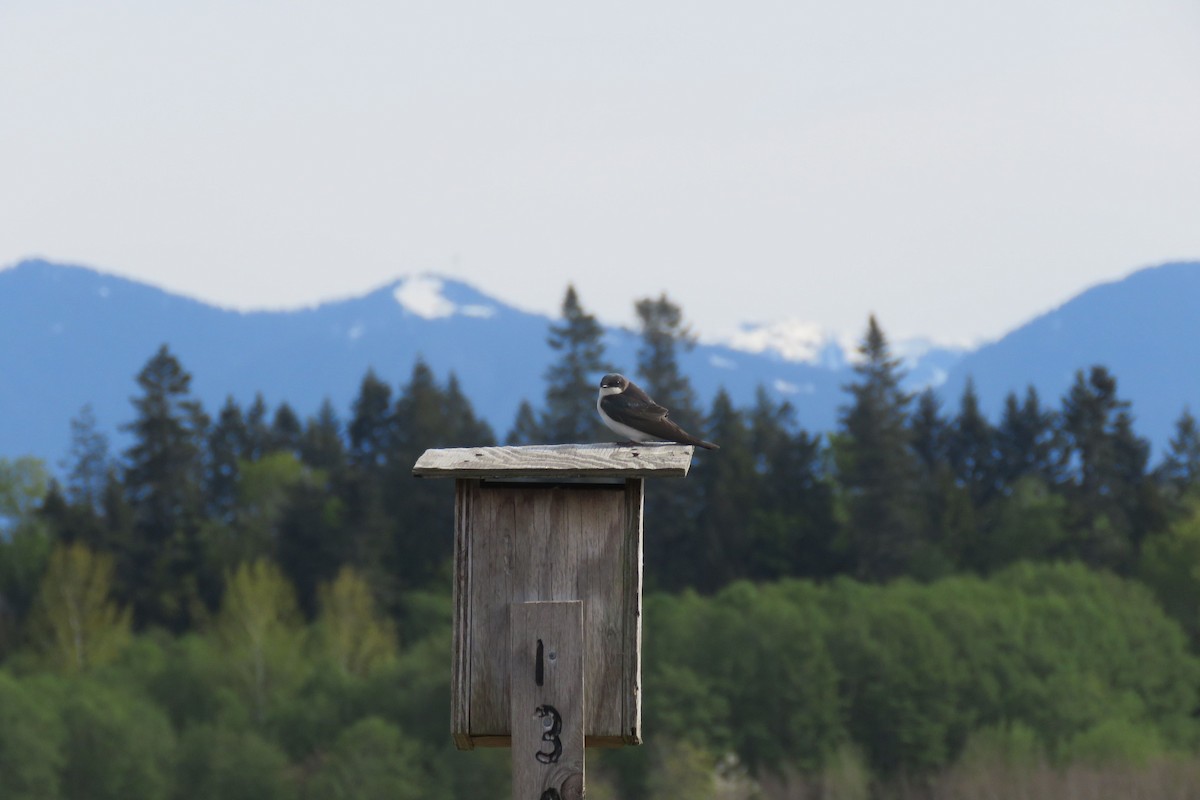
point(557, 461)
point(460, 678)
point(548, 689)
point(631, 620)
point(524, 543)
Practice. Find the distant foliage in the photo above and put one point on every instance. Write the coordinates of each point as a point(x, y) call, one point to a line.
point(257, 605)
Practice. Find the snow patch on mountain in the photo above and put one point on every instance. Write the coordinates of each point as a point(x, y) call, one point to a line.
point(793, 340)
point(422, 295)
point(477, 311)
point(425, 296)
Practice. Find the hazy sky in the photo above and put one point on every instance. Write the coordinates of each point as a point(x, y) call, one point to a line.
point(955, 167)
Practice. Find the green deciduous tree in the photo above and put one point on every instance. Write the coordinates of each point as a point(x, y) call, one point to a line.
point(259, 630)
point(222, 764)
point(75, 624)
point(350, 631)
point(118, 745)
point(23, 484)
point(31, 740)
point(371, 760)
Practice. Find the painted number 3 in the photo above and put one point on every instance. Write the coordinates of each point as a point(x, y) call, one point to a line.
point(553, 724)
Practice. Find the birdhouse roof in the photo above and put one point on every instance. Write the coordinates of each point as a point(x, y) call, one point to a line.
point(648, 460)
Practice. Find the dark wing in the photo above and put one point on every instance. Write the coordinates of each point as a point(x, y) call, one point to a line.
point(636, 398)
point(641, 413)
point(630, 409)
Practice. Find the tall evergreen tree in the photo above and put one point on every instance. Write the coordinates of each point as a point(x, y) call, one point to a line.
point(321, 445)
point(972, 448)
point(1179, 473)
point(671, 507)
point(1027, 441)
point(876, 465)
point(89, 461)
point(930, 433)
point(793, 518)
point(578, 341)
point(164, 476)
point(227, 445)
point(286, 430)
point(1110, 505)
point(258, 430)
point(664, 334)
point(728, 494)
point(425, 415)
point(948, 519)
point(525, 429)
point(370, 426)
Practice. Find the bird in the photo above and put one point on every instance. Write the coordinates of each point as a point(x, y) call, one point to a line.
point(627, 410)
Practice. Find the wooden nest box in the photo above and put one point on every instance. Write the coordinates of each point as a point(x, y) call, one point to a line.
point(546, 537)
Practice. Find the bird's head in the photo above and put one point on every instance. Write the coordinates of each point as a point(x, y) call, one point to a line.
point(613, 383)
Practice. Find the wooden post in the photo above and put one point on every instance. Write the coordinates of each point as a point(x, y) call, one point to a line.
point(548, 601)
point(547, 700)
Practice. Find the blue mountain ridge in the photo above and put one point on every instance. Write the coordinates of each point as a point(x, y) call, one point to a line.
point(1145, 328)
point(70, 335)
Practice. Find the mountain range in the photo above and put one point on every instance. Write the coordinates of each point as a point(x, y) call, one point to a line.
point(71, 336)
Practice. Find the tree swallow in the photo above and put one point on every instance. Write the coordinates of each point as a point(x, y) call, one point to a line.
point(630, 412)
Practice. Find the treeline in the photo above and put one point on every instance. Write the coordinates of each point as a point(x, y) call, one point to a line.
point(903, 487)
point(130, 562)
point(843, 689)
point(1039, 664)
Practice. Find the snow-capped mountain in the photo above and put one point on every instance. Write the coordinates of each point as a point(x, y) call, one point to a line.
point(71, 336)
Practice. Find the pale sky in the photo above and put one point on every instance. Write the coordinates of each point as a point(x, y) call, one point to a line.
point(955, 167)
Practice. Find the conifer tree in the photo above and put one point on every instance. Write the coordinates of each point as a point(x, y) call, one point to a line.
point(948, 521)
point(664, 334)
point(321, 445)
point(1026, 440)
point(972, 449)
point(569, 415)
point(258, 431)
point(728, 487)
point(525, 429)
point(1110, 504)
point(89, 461)
point(930, 433)
point(876, 465)
point(164, 476)
point(370, 434)
point(285, 430)
point(671, 507)
point(793, 516)
point(227, 445)
point(425, 415)
point(1179, 473)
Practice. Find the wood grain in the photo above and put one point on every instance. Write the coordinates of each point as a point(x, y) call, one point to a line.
point(661, 460)
point(530, 543)
point(546, 654)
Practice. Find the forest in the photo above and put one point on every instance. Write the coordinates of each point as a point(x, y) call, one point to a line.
point(924, 602)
